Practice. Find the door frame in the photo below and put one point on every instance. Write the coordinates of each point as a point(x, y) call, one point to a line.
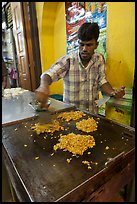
point(27, 19)
point(32, 39)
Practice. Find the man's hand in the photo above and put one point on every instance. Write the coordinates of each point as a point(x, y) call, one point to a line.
point(116, 93)
point(42, 94)
point(119, 93)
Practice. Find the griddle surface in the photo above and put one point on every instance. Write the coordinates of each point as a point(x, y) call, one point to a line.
point(47, 177)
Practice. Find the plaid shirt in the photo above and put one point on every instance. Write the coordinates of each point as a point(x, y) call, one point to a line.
point(81, 84)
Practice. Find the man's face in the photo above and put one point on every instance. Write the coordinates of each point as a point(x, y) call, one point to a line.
point(86, 49)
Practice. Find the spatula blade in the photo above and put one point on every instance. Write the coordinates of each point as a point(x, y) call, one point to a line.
point(103, 100)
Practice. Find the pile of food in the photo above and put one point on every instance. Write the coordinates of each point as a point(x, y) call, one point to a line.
point(72, 115)
point(75, 143)
point(88, 125)
point(49, 127)
point(14, 92)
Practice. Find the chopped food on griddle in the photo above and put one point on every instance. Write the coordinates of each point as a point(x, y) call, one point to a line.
point(48, 127)
point(68, 160)
point(88, 163)
point(72, 115)
point(75, 143)
point(87, 125)
point(36, 158)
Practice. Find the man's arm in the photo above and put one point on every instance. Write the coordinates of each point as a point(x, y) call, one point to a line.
point(116, 93)
point(43, 91)
point(45, 79)
point(54, 73)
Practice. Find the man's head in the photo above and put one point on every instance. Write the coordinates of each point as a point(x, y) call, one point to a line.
point(88, 35)
point(88, 31)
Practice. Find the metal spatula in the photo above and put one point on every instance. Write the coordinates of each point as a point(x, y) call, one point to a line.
point(37, 105)
point(103, 100)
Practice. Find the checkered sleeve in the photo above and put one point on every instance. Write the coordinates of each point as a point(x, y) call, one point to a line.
point(58, 69)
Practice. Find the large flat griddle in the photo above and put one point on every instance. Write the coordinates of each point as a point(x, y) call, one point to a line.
point(46, 177)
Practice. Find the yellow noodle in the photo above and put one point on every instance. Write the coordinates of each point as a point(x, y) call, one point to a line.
point(72, 115)
point(88, 125)
point(75, 143)
point(49, 128)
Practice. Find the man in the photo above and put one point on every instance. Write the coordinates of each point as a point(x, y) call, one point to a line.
point(83, 73)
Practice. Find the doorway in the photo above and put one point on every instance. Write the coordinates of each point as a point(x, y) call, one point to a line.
point(23, 58)
point(8, 47)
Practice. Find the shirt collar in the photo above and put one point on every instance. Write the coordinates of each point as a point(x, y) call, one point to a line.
point(92, 60)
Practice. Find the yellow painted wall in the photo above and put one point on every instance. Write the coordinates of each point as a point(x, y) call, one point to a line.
point(120, 43)
point(47, 38)
point(52, 36)
point(60, 31)
point(120, 40)
point(59, 40)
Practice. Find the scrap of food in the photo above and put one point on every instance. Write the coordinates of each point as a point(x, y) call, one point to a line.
point(75, 143)
point(87, 125)
point(88, 163)
point(72, 115)
point(49, 127)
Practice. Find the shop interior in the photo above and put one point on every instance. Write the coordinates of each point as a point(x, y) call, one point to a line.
point(8, 46)
point(51, 16)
